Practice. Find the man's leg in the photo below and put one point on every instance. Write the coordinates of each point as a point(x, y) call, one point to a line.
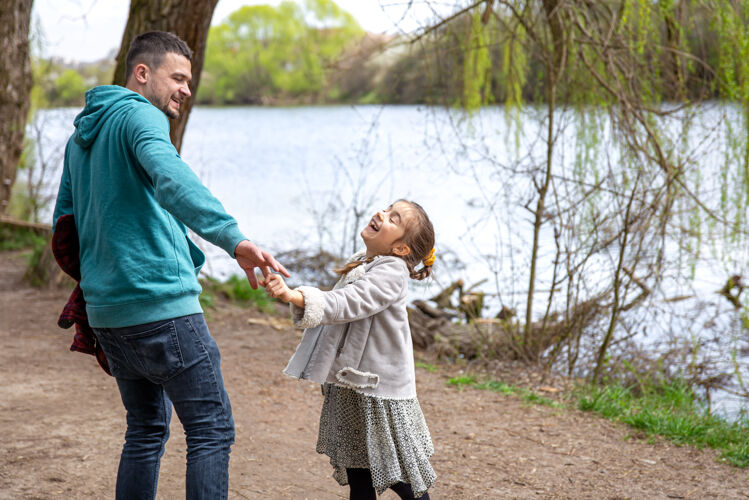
point(175, 360)
point(203, 407)
point(148, 415)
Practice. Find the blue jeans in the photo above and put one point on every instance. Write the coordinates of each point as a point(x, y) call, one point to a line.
point(158, 364)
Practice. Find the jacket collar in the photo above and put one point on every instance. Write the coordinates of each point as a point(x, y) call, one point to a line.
point(356, 272)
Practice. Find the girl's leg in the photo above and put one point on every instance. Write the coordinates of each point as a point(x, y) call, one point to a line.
point(360, 483)
point(406, 493)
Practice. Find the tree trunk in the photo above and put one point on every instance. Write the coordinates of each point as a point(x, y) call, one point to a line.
point(15, 87)
point(616, 306)
point(674, 65)
point(554, 70)
point(188, 19)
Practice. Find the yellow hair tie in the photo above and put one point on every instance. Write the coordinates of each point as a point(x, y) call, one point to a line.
point(428, 261)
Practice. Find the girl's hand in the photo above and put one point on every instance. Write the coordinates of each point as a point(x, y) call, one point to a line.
point(277, 288)
point(249, 256)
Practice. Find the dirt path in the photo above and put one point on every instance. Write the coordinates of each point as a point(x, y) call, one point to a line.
point(61, 426)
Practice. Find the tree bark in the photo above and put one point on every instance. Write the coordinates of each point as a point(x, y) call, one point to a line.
point(15, 87)
point(188, 19)
point(674, 63)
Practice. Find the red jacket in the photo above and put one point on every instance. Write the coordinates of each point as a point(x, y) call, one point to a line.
point(66, 252)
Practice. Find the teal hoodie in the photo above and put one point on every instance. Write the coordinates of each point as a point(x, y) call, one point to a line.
point(132, 196)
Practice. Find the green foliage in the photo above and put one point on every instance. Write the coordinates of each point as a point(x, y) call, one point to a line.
point(21, 206)
point(40, 264)
point(498, 386)
point(26, 200)
point(477, 66)
point(501, 387)
point(731, 25)
point(18, 238)
point(423, 75)
point(58, 84)
point(745, 319)
point(69, 88)
point(40, 90)
point(672, 410)
point(468, 380)
point(263, 51)
point(514, 75)
point(207, 298)
point(238, 290)
point(427, 366)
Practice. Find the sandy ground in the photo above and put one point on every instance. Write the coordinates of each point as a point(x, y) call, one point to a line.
point(62, 425)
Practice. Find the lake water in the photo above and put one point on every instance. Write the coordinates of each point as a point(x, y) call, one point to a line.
point(293, 176)
point(289, 175)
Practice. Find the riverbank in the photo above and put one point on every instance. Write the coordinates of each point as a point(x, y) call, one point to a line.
point(61, 425)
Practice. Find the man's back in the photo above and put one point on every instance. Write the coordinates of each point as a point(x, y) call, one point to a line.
point(130, 190)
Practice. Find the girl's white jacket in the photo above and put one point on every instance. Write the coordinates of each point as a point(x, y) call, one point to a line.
point(357, 334)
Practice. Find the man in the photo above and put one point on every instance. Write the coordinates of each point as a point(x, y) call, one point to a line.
point(131, 197)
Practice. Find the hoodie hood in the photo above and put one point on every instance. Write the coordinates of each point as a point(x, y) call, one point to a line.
point(100, 103)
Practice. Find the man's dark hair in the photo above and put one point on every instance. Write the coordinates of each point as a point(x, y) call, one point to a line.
point(151, 47)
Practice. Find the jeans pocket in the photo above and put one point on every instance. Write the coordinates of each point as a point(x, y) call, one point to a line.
point(157, 351)
point(113, 353)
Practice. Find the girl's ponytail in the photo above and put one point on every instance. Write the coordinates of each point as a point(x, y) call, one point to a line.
point(351, 265)
point(426, 270)
point(419, 237)
point(421, 274)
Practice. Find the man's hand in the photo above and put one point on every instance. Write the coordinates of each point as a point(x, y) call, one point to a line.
point(249, 256)
point(277, 288)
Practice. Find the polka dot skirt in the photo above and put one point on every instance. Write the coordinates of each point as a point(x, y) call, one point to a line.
point(387, 436)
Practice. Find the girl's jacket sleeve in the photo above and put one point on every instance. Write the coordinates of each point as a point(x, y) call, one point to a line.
point(384, 283)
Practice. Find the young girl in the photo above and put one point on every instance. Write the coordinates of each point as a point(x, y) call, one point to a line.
point(357, 343)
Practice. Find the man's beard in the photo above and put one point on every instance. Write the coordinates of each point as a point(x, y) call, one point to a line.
point(169, 112)
point(163, 105)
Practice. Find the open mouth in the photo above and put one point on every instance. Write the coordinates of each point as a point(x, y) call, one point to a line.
point(373, 225)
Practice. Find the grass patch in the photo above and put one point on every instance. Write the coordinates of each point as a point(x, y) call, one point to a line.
point(673, 411)
point(237, 290)
point(501, 387)
point(427, 366)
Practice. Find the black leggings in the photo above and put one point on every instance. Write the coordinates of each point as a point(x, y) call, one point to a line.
point(360, 482)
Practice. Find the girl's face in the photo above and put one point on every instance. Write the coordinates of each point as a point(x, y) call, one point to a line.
point(384, 231)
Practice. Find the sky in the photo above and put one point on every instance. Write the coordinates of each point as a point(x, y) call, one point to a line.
point(89, 30)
